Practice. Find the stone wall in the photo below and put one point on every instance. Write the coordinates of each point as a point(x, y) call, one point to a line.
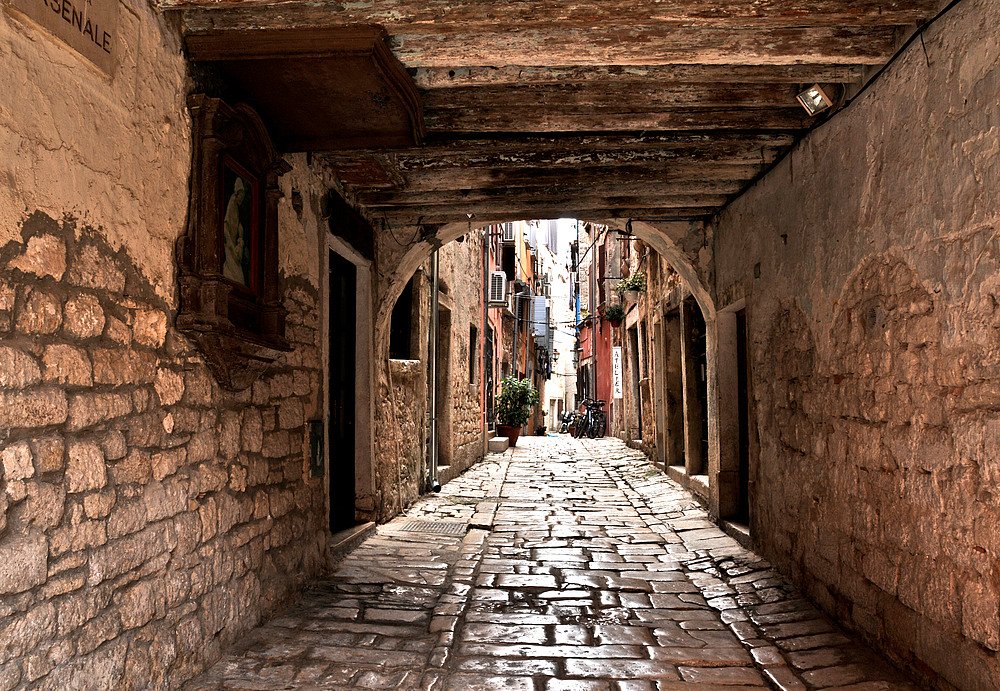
point(148, 518)
point(875, 358)
point(402, 406)
point(665, 291)
point(461, 269)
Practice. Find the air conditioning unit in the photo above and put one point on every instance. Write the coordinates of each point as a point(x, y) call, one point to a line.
point(508, 233)
point(498, 289)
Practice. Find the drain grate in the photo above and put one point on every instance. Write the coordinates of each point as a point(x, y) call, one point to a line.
point(435, 527)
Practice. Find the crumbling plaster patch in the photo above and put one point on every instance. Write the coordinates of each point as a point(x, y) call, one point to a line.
point(111, 152)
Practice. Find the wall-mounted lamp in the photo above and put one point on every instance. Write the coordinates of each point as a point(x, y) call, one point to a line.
point(814, 99)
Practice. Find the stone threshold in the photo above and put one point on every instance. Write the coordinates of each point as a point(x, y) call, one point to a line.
point(341, 543)
point(698, 484)
point(739, 532)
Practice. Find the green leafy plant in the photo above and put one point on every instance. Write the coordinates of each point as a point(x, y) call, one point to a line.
point(517, 398)
point(614, 313)
point(636, 282)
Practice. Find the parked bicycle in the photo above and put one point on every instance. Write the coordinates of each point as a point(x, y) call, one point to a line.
point(593, 422)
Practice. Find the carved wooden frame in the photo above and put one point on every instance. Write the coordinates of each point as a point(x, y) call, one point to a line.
point(240, 330)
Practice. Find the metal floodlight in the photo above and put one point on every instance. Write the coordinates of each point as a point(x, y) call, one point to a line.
point(814, 99)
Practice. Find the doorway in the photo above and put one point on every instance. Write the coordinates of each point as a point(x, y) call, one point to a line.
point(674, 387)
point(341, 404)
point(635, 377)
point(694, 352)
point(488, 368)
point(743, 392)
point(443, 389)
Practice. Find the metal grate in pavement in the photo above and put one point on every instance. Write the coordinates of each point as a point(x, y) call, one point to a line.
point(435, 527)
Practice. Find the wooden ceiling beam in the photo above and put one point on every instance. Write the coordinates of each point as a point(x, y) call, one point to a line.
point(646, 45)
point(428, 78)
point(545, 210)
point(404, 198)
point(542, 119)
point(596, 199)
point(624, 97)
point(488, 16)
point(595, 176)
point(733, 154)
point(441, 146)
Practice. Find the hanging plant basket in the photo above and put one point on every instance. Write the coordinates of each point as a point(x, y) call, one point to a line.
point(631, 286)
point(614, 314)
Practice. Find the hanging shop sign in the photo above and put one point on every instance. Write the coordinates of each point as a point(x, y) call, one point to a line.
point(616, 369)
point(90, 27)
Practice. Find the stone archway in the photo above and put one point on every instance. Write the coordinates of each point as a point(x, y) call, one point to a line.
point(680, 243)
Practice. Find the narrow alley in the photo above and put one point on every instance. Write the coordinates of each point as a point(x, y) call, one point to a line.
point(561, 564)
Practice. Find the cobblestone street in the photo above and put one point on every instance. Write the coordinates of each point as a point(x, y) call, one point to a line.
point(563, 564)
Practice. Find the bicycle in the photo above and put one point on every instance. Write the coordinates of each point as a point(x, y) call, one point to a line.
point(598, 425)
point(593, 423)
point(580, 422)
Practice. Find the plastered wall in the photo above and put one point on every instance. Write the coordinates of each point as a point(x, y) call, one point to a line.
point(875, 354)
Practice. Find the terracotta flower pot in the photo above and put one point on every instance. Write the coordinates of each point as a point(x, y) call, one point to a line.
point(511, 432)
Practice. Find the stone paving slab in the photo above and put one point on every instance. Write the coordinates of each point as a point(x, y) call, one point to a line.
point(582, 567)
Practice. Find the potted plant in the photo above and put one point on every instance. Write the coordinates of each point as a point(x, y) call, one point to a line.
point(614, 314)
point(632, 285)
point(517, 397)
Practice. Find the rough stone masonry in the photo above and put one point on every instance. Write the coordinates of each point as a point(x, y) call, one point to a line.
point(147, 516)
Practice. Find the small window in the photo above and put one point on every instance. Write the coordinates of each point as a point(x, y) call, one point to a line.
point(400, 325)
point(473, 354)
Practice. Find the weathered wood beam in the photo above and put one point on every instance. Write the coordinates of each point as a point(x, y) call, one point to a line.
point(732, 155)
point(490, 15)
point(623, 97)
point(459, 149)
point(529, 210)
point(595, 199)
point(428, 78)
point(627, 45)
point(600, 176)
point(403, 198)
point(750, 153)
point(555, 118)
point(646, 45)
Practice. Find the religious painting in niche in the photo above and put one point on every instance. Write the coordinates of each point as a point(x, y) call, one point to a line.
point(230, 294)
point(239, 224)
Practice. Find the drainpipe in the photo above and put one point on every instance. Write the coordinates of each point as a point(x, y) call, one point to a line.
point(435, 486)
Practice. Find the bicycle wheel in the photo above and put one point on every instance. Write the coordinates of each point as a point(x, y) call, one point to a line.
point(602, 426)
point(592, 427)
point(581, 428)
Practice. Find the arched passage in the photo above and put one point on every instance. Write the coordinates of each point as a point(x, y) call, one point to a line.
point(679, 243)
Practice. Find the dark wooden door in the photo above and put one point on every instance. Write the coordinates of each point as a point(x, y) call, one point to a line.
point(742, 369)
point(343, 337)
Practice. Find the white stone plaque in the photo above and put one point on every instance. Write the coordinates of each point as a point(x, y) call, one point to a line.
point(90, 27)
point(616, 369)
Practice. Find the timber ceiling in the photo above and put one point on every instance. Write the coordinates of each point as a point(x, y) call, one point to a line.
point(600, 109)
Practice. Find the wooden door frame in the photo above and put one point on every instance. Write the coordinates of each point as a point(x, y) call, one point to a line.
point(727, 365)
point(364, 383)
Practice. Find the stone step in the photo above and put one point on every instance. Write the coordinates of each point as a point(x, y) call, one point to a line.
point(499, 444)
